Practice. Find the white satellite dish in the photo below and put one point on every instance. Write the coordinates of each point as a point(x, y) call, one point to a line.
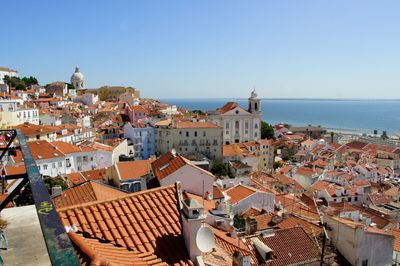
point(205, 239)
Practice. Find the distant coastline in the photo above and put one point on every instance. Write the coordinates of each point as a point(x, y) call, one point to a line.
point(289, 99)
point(356, 116)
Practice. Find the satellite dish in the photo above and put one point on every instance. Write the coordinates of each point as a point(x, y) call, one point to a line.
point(205, 239)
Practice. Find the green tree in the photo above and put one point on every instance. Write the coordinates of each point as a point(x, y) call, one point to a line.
point(26, 197)
point(219, 169)
point(239, 222)
point(20, 84)
point(267, 131)
point(199, 112)
point(277, 165)
point(50, 182)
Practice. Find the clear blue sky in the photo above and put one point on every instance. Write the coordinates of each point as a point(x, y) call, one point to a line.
point(188, 49)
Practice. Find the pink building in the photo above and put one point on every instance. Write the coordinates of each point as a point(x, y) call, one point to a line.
point(135, 112)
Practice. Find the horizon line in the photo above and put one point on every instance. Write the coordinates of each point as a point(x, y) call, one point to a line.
point(290, 99)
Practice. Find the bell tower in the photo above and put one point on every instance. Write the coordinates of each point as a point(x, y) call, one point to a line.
point(254, 103)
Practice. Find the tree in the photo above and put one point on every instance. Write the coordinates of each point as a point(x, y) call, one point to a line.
point(277, 165)
point(267, 131)
point(20, 84)
point(219, 169)
point(50, 182)
point(199, 112)
point(26, 197)
point(239, 222)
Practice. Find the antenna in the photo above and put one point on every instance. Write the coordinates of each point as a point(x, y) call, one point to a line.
point(205, 239)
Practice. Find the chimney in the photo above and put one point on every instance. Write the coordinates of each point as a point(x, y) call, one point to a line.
point(239, 260)
point(250, 225)
point(56, 191)
point(192, 214)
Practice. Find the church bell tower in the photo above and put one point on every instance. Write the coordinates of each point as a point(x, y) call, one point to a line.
point(254, 103)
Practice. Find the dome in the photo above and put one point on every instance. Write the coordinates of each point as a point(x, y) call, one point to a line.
point(77, 76)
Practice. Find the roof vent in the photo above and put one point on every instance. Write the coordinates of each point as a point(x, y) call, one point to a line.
point(40, 156)
point(56, 154)
point(264, 251)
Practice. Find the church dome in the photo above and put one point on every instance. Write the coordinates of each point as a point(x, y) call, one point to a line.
point(77, 79)
point(77, 76)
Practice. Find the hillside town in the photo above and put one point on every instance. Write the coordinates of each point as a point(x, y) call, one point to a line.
point(137, 181)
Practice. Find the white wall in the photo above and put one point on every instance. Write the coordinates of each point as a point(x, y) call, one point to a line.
point(258, 200)
point(191, 180)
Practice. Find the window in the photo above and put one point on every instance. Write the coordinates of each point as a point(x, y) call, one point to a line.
point(365, 263)
point(187, 133)
point(246, 125)
point(53, 165)
point(195, 133)
point(227, 125)
point(237, 124)
point(85, 158)
point(204, 133)
point(45, 167)
point(59, 164)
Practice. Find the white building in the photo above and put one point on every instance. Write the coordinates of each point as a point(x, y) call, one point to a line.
point(60, 158)
point(170, 168)
point(78, 80)
point(239, 125)
point(360, 245)
point(5, 71)
point(242, 198)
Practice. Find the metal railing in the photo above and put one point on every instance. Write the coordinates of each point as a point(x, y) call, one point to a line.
point(59, 246)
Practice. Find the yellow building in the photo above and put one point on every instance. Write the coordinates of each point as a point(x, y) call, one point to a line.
point(113, 92)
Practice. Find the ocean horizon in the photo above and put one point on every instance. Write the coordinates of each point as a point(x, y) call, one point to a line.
point(353, 115)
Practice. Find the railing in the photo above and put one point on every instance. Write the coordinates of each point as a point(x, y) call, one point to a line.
point(59, 246)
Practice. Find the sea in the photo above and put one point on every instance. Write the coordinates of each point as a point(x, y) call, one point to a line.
point(358, 116)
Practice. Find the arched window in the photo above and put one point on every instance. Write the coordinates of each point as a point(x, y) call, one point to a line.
point(256, 106)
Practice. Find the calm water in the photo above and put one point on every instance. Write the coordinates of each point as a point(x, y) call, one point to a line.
point(360, 115)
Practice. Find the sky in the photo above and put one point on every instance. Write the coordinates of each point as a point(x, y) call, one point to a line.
point(210, 48)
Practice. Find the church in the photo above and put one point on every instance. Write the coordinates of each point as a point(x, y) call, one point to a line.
point(239, 125)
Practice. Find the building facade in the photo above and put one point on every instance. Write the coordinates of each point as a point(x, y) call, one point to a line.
point(189, 138)
point(142, 140)
point(239, 125)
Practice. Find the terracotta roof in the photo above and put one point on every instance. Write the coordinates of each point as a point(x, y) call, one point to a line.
point(239, 192)
point(96, 174)
point(3, 197)
point(42, 149)
point(94, 252)
point(15, 170)
point(289, 247)
point(228, 243)
point(68, 148)
point(167, 164)
point(134, 169)
point(138, 108)
point(147, 221)
point(75, 179)
point(31, 129)
point(309, 228)
point(264, 221)
point(251, 212)
point(86, 192)
point(217, 194)
point(396, 234)
point(228, 107)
